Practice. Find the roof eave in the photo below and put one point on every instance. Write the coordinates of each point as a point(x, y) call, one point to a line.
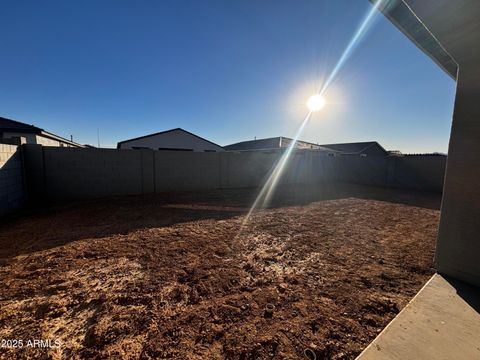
point(400, 15)
point(59, 138)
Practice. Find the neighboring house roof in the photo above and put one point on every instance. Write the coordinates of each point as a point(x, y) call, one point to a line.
point(270, 143)
point(355, 148)
point(257, 144)
point(9, 125)
point(164, 132)
point(428, 154)
point(12, 125)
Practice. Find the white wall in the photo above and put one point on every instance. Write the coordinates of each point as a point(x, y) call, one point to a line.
point(176, 139)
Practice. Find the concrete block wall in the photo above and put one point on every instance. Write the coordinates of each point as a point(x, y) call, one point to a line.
point(299, 168)
point(247, 169)
point(147, 165)
point(368, 170)
point(34, 171)
point(56, 173)
point(12, 189)
point(71, 173)
point(422, 172)
point(83, 173)
point(184, 171)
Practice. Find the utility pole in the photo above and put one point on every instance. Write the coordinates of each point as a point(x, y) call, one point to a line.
point(98, 137)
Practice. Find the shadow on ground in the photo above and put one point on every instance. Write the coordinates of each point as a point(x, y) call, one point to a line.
point(469, 293)
point(59, 224)
point(134, 287)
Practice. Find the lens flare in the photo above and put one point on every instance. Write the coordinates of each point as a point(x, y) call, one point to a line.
point(354, 41)
point(316, 102)
point(265, 196)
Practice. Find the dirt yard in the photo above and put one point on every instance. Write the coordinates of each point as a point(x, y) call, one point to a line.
point(173, 277)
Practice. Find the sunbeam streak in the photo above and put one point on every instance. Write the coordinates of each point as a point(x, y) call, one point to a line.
point(266, 193)
point(355, 40)
point(264, 197)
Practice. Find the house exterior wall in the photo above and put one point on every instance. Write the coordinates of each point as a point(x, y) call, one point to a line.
point(41, 140)
point(176, 139)
point(36, 139)
point(458, 247)
point(30, 138)
point(12, 190)
point(455, 25)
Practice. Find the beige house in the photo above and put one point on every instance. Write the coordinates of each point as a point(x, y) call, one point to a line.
point(16, 132)
point(175, 139)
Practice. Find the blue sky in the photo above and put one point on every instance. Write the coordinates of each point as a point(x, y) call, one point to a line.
point(226, 70)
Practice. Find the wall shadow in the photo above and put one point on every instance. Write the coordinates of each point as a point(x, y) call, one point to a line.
point(469, 293)
point(37, 229)
point(12, 192)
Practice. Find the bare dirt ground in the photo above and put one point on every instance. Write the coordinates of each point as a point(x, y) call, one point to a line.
point(171, 277)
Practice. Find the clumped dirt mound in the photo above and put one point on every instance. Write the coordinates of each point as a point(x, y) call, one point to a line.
point(172, 284)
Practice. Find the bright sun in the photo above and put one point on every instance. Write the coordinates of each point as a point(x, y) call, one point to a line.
point(316, 102)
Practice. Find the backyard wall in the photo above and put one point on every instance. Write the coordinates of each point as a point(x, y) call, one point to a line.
point(70, 173)
point(74, 173)
point(12, 189)
point(417, 172)
point(420, 172)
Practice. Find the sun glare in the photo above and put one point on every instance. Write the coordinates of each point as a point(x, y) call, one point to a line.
point(316, 103)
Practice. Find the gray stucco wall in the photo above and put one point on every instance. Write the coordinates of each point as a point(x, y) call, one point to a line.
point(12, 190)
point(69, 173)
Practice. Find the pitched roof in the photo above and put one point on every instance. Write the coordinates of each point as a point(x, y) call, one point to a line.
point(256, 144)
point(272, 143)
point(12, 125)
point(354, 148)
point(164, 132)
